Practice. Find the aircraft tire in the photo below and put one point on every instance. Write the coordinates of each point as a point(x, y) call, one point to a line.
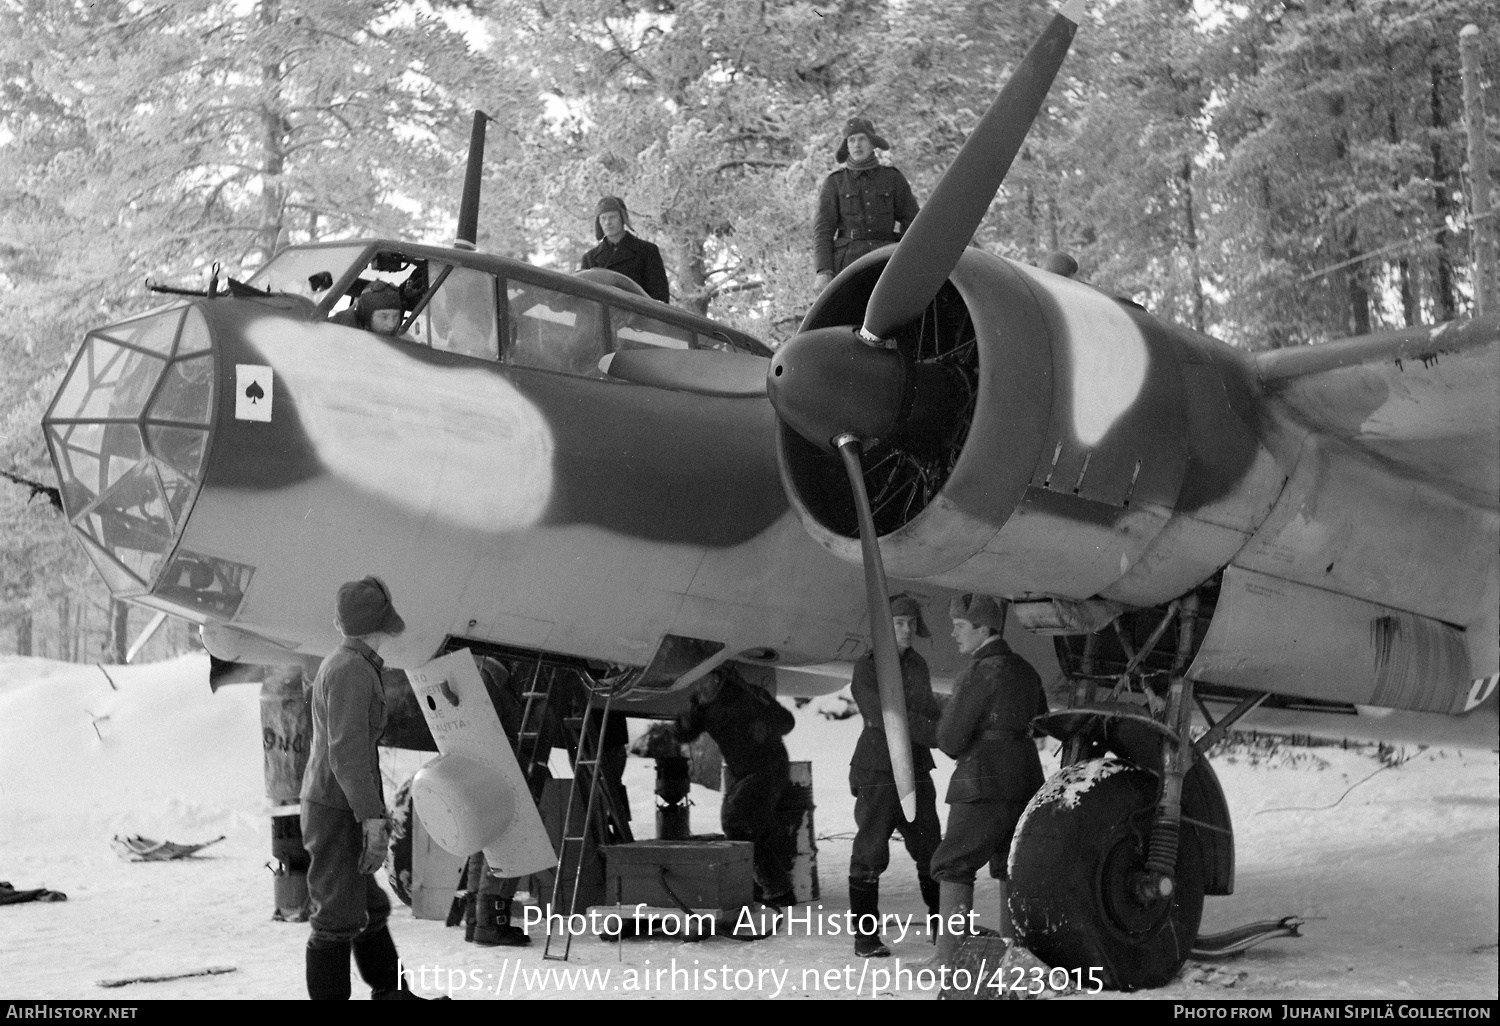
point(1082, 837)
point(398, 857)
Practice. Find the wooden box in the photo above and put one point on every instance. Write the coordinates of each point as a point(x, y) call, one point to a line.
point(670, 874)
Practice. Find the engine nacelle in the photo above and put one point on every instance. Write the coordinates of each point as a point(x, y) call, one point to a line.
point(1108, 454)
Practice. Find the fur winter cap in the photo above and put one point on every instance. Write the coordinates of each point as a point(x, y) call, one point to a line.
point(905, 605)
point(364, 607)
point(980, 610)
point(614, 203)
point(378, 295)
point(858, 126)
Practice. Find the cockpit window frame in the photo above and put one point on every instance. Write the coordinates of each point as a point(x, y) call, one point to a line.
point(335, 291)
point(506, 269)
point(350, 275)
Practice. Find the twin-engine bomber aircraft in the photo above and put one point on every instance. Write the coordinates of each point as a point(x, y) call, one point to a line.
point(545, 466)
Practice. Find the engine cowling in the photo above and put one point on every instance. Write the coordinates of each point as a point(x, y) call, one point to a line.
point(1102, 453)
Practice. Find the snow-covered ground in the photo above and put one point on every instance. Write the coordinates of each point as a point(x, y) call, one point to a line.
point(1394, 869)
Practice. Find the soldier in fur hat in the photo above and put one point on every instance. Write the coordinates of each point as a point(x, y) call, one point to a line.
point(344, 823)
point(380, 308)
point(986, 726)
point(877, 806)
point(860, 205)
point(623, 252)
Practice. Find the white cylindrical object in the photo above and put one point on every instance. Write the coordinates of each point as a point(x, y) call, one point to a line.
point(465, 805)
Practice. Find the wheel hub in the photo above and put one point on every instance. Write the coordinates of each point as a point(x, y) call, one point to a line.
point(1129, 906)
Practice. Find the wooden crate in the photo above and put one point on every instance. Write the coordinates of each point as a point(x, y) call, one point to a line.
point(670, 874)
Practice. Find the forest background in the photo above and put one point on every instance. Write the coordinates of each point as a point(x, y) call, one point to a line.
point(1272, 172)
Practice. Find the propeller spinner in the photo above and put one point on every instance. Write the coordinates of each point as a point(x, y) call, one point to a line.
point(843, 390)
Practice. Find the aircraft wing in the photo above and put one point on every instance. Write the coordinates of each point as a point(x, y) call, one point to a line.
point(1386, 527)
point(1423, 401)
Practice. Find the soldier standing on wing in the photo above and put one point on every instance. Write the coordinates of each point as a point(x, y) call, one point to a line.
point(624, 252)
point(860, 204)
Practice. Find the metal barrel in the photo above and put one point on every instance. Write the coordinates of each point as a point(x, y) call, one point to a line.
point(796, 813)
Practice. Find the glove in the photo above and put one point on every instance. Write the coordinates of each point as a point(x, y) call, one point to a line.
point(377, 838)
point(820, 282)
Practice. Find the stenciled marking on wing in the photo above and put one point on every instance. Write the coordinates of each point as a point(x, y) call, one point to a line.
point(459, 444)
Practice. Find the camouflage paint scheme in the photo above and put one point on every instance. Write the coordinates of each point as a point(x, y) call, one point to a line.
point(507, 504)
point(1112, 456)
point(1115, 457)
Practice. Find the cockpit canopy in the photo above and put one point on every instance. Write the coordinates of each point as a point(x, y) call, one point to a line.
point(129, 430)
point(496, 309)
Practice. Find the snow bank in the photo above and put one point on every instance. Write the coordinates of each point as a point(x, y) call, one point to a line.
point(86, 753)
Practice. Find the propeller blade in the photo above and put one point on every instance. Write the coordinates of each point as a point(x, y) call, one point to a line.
point(702, 371)
point(931, 245)
point(883, 634)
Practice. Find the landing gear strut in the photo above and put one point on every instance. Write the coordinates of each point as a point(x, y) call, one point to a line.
point(1102, 872)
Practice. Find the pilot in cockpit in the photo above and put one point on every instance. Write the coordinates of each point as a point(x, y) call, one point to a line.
point(380, 308)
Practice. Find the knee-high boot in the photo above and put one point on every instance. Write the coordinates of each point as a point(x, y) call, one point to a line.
point(379, 966)
point(864, 902)
point(493, 927)
point(328, 971)
point(954, 899)
point(474, 874)
point(375, 958)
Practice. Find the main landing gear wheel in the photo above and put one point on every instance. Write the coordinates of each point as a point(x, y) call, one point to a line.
point(1078, 853)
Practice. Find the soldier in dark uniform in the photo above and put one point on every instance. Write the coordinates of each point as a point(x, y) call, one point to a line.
point(344, 824)
point(877, 807)
point(986, 726)
point(623, 252)
point(747, 724)
point(860, 204)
